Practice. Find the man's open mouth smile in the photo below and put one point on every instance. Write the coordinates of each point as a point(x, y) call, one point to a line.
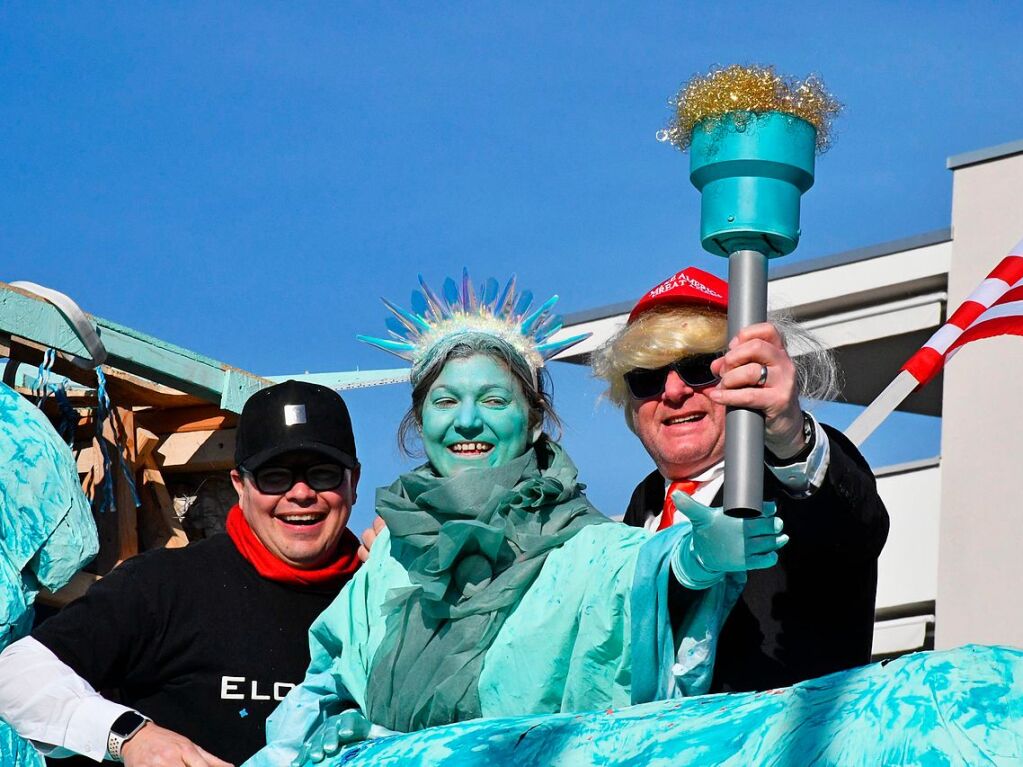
point(301, 519)
point(690, 418)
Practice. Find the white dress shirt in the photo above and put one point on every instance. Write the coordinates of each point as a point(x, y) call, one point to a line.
point(46, 702)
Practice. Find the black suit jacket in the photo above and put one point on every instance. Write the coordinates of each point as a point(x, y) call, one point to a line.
point(813, 612)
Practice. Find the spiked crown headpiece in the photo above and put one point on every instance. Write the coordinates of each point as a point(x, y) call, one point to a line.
point(437, 320)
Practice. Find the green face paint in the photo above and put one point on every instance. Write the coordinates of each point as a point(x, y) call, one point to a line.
point(474, 414)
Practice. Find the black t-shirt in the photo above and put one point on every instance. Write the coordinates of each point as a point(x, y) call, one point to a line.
point(195, 639)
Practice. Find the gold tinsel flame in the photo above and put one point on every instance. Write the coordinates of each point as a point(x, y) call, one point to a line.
point(745, 91)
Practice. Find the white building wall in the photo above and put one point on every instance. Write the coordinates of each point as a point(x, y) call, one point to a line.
point(907, 572)
point(980, 556)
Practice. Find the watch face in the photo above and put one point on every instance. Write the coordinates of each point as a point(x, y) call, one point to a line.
point(127, 723)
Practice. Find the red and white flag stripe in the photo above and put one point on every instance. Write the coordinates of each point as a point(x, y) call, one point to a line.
point(995, 308)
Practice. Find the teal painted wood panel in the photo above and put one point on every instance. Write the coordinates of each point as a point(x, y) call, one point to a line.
point(28, 316)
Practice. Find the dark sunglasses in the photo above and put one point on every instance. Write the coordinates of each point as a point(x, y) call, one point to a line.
point(277, 480)
point(694, 370)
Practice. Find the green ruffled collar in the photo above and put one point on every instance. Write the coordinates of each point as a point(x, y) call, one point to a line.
point(460, 536)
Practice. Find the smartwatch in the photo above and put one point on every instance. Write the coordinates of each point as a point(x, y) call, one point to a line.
point(122, 730)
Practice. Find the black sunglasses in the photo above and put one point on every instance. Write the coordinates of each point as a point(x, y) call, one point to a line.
point(694, 370)
point(277, 480)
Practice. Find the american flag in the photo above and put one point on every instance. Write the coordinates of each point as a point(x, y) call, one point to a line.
point(995, 308)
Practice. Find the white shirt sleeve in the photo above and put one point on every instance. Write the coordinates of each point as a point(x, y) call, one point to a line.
point(803, 479)
point(46, 702)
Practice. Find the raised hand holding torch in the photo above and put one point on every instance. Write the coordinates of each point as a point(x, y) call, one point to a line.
point(752, 137)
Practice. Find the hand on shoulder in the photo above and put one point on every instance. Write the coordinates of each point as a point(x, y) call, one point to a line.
point(369, 535)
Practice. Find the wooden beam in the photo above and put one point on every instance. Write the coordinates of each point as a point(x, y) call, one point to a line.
point(90, 466)
point(197, 451)
point(159, 526)
point(121, 386)
point(187, 419)
point(86, 457)
point(11, 366)
point(124, 387)
point(106, 521)
point(349, 379)
point(145, 442)
point(26, 315)
point(127, 518)
point(127, 511)
point(29, 352)
point(118, 525)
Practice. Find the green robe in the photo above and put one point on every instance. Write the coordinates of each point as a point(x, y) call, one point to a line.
point(565, 644)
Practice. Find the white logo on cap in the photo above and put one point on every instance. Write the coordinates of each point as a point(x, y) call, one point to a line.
point(681, 280)
point(294, 414)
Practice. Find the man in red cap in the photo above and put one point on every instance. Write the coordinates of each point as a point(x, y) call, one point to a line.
point(200, 644)
point(674, 371)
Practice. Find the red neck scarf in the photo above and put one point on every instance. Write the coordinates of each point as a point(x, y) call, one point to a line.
point(336, 573)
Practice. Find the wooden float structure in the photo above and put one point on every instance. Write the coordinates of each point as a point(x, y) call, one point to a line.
point(168, 418)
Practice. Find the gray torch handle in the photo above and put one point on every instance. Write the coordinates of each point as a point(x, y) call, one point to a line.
point(744, 429)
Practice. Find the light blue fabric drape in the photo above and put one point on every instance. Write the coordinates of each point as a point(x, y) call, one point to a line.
point(659, 669)
point(47, 532)
point(959, 707)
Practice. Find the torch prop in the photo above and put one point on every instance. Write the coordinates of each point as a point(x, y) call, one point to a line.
point(752, 137)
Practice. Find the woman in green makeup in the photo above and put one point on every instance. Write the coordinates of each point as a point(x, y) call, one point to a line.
point(497, 589)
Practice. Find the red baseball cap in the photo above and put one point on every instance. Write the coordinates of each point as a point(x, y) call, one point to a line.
point(690, 286)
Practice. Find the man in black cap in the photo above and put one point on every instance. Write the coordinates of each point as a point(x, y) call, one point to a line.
point(200, 644)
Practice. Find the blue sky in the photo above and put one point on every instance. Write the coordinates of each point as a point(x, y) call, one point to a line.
point(246, 179)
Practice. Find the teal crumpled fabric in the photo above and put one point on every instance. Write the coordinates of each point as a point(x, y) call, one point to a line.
point(472, 544)
point(958, 707)
point(47, 532)
point(660, 670)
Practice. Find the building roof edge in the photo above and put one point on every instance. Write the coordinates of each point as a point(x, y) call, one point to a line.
point(908, 466)
point(913, 242)
point(987, 154)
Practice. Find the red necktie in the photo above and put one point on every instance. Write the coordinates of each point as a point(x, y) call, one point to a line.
point(687, 486)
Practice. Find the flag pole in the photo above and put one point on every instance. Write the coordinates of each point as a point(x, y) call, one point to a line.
point(883, 406)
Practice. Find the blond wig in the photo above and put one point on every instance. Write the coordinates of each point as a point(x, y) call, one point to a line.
point(668, 333)
point(657, 338)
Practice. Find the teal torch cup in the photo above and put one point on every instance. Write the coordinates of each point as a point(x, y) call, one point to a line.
point(751, 171)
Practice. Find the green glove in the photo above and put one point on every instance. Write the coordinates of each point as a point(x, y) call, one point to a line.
point(339, 730)
point(723, 544)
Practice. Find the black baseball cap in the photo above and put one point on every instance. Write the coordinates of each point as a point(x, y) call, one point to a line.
point(294, 416)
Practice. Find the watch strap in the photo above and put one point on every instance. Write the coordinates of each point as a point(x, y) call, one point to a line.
point(809, 441)
point(122, 730)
